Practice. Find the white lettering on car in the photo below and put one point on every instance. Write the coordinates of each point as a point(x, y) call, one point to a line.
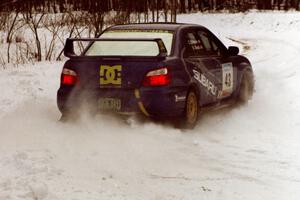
point(211, 88)
point(179, 98)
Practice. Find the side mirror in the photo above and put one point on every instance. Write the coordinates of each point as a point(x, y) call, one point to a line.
point(233, 51)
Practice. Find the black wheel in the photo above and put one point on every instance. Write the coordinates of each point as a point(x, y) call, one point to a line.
point(246, 87)
point(64, 118)
point(68, 116)
point(191, 110)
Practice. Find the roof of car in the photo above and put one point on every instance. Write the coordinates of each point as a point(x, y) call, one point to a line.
point(152, 26)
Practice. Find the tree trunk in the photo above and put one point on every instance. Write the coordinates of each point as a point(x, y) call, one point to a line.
point(9, 36)
point(38, 45)
point(182, 6)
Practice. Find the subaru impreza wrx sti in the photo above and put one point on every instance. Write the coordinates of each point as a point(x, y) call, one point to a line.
point(160, 70)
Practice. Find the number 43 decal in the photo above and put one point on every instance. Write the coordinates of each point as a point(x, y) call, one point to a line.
point(228, 79)
point(227, 86)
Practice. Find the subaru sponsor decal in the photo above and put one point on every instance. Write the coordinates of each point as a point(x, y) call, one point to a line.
point(210, 86)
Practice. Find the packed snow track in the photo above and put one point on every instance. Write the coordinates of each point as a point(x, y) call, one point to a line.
point(249, 152)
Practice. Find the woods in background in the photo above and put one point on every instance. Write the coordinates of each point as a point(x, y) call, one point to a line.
point(142, 6)
point(46, 23)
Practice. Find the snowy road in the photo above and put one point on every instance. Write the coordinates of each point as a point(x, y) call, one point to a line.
point(250, 152)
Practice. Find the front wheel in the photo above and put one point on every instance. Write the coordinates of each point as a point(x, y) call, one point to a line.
point(246, 88)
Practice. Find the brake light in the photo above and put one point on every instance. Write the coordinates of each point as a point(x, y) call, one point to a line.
point(69, 77)
point(158, 77)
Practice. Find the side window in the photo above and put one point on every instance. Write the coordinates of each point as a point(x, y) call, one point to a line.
point(210, 46)
point(193, 45)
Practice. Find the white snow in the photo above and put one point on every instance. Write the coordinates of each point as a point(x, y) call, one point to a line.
point(249, 152)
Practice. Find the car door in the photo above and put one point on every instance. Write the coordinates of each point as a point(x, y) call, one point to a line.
point(224, 70)
point(203, 67)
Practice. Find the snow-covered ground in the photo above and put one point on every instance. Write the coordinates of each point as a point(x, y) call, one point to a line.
point(250, 152)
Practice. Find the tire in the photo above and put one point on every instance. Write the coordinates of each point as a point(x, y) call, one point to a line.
point(191, 112)
point(64, 118)
point(68, 116)
point(246, 88)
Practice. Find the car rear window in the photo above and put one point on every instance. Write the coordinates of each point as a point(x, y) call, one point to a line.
point(130, 48)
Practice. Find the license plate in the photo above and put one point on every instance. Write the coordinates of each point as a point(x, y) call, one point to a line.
point(109, 104)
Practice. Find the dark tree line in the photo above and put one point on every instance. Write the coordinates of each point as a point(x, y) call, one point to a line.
point(141, 6)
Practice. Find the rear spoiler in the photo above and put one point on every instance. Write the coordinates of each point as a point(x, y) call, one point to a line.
point(69, 46)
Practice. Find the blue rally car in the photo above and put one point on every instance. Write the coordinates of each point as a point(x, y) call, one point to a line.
point(162, 70)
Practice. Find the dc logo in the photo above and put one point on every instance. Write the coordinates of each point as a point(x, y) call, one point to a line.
point(110, 75)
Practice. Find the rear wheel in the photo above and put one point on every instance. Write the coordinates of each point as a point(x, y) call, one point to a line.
point(246, 88)
point(191, 110)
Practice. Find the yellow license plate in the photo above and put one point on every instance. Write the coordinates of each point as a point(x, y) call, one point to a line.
point(109, 104)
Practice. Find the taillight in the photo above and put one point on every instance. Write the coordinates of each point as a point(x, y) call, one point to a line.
point(69, 77)
point(158, 77)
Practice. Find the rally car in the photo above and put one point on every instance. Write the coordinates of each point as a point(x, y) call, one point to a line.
point(159, 70)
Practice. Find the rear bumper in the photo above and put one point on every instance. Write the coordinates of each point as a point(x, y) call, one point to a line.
point(152, 102)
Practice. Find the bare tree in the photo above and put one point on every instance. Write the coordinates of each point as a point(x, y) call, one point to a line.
point(13, 25)
point(34, 20)
point(54, 25)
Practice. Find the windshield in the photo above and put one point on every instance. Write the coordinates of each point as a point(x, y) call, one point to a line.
point(130, 48)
